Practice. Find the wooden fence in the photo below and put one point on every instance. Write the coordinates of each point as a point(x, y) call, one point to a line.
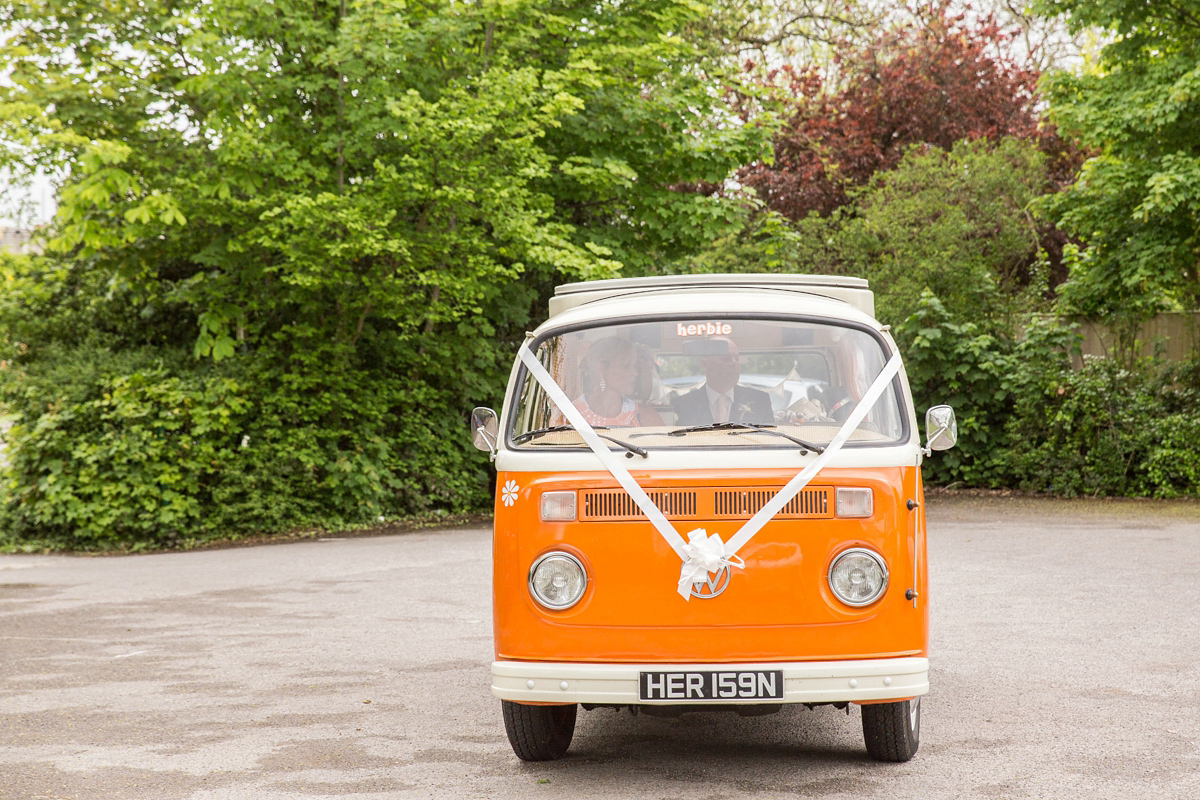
point(1174, 335)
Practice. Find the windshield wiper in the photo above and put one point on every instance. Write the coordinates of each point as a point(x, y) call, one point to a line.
point(632, 448)
point(750, 426)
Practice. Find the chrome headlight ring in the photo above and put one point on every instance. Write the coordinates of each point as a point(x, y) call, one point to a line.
point(556, 572)
point(864, 560)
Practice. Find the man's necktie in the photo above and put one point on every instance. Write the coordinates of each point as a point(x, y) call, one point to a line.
point(723, 404)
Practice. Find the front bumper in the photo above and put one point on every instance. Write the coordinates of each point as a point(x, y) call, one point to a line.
point(803, 681)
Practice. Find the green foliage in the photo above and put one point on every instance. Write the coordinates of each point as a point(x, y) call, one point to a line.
point(1028, 419)
point(957, 364)
point(1136, 204)
point(1107, 430)
point(347, 213)
point(297, 242)
point(117, 445)
point(766, 241)
point(111, 448)
point(950, 222)
point(955, 223)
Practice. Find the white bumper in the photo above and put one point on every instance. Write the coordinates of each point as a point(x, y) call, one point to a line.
point(803, 681)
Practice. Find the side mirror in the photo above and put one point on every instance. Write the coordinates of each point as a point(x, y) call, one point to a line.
point(485, 429)
point(941, 429)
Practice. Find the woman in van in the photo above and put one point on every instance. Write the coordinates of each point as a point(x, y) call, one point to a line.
point(608, 374)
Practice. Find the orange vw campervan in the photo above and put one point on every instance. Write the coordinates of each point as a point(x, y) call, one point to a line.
point(709, 497)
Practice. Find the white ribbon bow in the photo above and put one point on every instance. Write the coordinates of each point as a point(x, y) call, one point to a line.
point(703, 554)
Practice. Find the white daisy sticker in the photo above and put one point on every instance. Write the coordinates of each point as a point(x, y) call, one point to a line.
point(509, 493)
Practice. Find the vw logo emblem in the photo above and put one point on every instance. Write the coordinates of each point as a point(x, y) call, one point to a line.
point(713, 585)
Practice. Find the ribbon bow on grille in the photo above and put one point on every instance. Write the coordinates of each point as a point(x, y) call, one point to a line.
point(703, 554)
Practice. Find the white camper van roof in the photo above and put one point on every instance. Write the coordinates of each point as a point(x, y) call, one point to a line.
point(853, 291)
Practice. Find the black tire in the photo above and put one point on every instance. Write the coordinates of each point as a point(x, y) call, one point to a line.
point(539, 733)
point(892, 730)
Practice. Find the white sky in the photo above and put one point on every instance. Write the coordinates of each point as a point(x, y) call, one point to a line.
point(22, 206)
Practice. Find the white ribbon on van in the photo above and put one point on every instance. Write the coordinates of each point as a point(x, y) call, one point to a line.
point(704, 553)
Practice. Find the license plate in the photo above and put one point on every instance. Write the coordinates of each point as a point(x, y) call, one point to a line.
point(711, 685)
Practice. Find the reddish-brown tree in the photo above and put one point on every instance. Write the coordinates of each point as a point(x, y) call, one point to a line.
point(932, 82)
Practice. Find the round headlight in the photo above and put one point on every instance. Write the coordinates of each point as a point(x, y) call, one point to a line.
point(557, 580)
point(858, 577)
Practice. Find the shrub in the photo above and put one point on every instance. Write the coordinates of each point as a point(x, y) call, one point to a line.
point(1108, 429)
point(958, 364)
point(127, 450)
point(123, 439)
point(1027, 419)
point(114, 448)
point(148, 447)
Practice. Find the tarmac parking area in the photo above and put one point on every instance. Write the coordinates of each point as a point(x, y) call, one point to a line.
point(1065, 664)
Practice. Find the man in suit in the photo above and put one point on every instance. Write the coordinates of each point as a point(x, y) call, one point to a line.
point(721, 399)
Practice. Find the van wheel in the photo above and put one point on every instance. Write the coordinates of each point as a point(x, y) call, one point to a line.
point(539, 733)
point(892, 730)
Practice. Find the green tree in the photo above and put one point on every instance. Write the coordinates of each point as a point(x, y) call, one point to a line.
point(1136, 205)
point(956, 223)
point(349, 210)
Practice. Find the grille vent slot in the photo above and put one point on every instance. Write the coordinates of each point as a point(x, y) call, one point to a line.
point(813, 502)
point(616, 504)
point(747, 502)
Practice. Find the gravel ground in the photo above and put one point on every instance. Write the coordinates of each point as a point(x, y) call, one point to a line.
point(1064, 665)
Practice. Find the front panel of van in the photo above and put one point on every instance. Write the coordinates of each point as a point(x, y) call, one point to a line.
point(779, 606)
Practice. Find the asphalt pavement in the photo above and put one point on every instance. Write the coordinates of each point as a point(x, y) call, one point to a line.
point(1064, 664)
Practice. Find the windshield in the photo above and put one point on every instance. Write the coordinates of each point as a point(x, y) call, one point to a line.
point(645, 381)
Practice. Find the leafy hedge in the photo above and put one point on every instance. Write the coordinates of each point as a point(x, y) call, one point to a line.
point(1109, 430)
point(143, 446)
point(117, 455)
point(115, 449)
point(122, 440)
point(1027, 419)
